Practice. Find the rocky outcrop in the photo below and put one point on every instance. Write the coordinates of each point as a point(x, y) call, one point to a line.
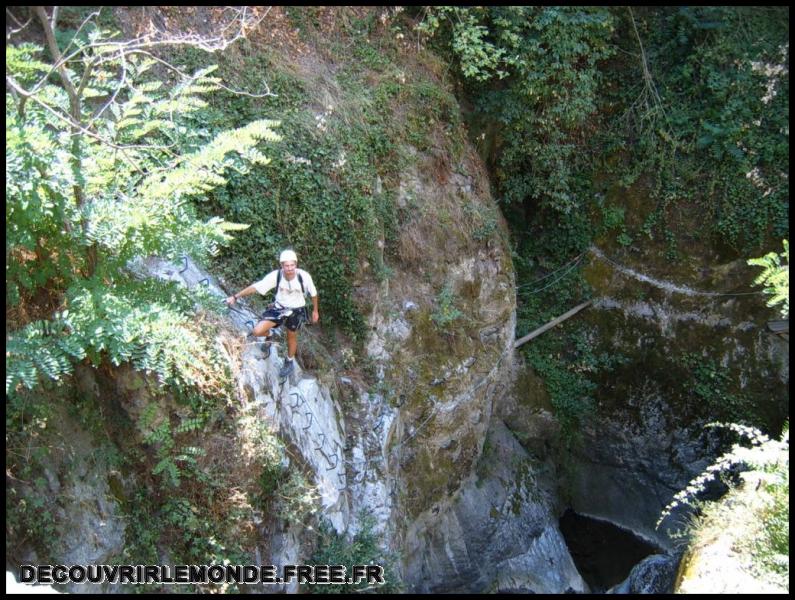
point(655, 574)
point(304, 414)
point(87, 522)
point(348, 469)
point(442, 329)
point(300, 410)
point(499, 532)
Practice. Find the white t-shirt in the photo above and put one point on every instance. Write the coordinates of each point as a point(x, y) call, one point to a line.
point(289, 293)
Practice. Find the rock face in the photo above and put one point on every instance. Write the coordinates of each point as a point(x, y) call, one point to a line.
point(371, 486)
point(84, 507)
point(441, 338)
point(688, 358)
point(628, 471)
point(304, 414)
point(497, 533)
point(300, 410)
point(403, 453)
point(655, 574)
point(349, 469)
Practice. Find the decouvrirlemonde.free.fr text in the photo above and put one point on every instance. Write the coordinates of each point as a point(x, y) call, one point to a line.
point(202, 574)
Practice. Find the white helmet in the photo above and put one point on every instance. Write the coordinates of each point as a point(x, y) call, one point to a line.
point(288, 255)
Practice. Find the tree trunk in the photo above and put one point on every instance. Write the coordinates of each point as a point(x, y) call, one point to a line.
point(75, 112)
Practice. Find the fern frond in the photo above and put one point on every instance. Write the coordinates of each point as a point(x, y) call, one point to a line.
point(775, 277)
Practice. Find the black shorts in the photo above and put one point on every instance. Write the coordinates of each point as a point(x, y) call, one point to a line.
point(293, 321)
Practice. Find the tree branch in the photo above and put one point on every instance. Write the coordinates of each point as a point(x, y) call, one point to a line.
point(56, 53)
point(222, 86)
point(115, 49)
point(86, 75)
point(20, 26)
point(648, 81)
point(79, 29)
point(115, 93)
point(80, 129)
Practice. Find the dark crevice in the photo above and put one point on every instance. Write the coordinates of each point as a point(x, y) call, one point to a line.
point(603, 553)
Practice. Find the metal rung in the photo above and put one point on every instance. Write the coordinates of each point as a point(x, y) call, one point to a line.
point(205, 281)
point(185, 259)
point(328, 460)
point(323, 435)
point(297, 404)
point(250, 321)
point(310, 420)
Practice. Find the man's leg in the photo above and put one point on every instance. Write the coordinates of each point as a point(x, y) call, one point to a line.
point(292, 344)
point(263, 328)
point(289, 361)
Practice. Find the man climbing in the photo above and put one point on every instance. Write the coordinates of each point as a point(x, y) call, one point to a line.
point(289, 304)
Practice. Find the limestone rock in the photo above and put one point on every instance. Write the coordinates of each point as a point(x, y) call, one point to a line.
point(499, 532)
point(303, 412)
point(86, 513)
point(653, 575)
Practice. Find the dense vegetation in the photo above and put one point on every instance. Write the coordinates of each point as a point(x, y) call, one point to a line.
point(700, 96)
point(363, 549)
point(659, 129)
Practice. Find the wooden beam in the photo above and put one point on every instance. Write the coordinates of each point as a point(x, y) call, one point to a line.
point(551, 324)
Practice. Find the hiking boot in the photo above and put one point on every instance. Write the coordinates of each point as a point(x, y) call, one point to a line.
point(287, 368)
